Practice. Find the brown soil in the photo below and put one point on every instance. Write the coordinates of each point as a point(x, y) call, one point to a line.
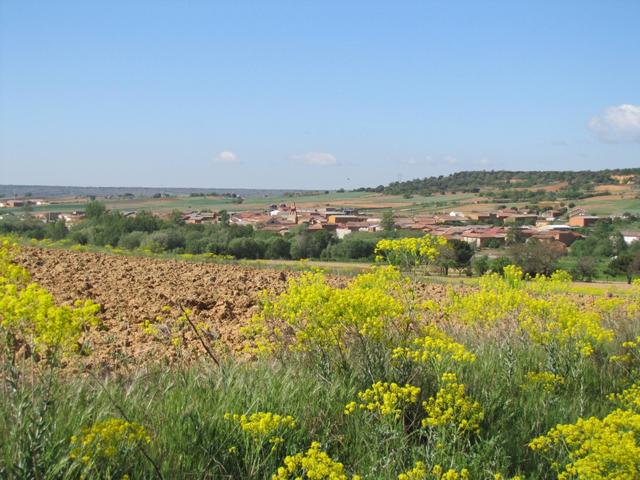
point(615, 188)
point(134, 289)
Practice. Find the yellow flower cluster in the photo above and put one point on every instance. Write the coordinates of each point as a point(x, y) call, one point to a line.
point(385, 398)
point(314, 464)
point(630, 352)
point(312, 314)
point(263, 425)
point(558, 281)
point(452, 407)
point(497, 300)
point(29, 313)
point(513, 276)
point(629, 398)
point(547, 381)
point(547, 319)
point(164, 328)
point(595, 449)
point(104, 439)
point(435, 347)
point(10, 273)
point(439, 473)
point(408, 252)
point(561, 321)
point(420, 472)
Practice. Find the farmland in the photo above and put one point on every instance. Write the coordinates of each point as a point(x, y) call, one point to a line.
point(137, 290)
point(174, 369)
point(362, 200)
point(619, 203)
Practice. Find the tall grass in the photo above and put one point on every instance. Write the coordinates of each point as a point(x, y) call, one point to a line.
point(183, 409)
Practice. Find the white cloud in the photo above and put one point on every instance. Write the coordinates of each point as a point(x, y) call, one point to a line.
point(316, 158)
point(450, 159)
point(618, 124)
point(227, 156)
point(410, 161)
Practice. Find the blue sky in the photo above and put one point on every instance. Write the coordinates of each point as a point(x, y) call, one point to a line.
point(309, 94)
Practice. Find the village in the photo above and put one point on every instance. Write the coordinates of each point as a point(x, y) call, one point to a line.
point(558, 227)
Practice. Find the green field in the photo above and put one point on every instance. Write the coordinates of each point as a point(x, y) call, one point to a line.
point(612, 206)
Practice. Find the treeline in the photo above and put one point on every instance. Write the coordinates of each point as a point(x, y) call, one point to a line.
point(605, 246)
point(471, 181)
point(602, 253)
point(145, 231)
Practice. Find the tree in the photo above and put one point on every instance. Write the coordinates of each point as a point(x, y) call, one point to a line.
point(497, 264)
point(627, 264)
point(535, 257)
point(244, 247)
point(224, 217)
point(94, 209)
point(310, 244)
point(277, 248)
point(514, 235)
point(57, 230)
point(144, 221)
point(480, 265)
point(387, 223)
point(584, 269)
point(350, 248)
point(462, 254)
point(175, 217)
point(446, 258)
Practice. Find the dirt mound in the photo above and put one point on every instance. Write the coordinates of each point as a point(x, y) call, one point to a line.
point(132, 290)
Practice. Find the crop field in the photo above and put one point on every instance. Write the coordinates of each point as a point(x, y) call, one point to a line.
point(621, 201)
point(119, 367)
point(612, 205)
point(362, 200)
point(135, 292)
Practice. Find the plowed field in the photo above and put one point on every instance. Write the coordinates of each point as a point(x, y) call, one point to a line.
point(134, 289)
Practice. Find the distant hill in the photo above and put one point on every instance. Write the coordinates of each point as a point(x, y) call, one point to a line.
point(479, 181)
point(51, 191)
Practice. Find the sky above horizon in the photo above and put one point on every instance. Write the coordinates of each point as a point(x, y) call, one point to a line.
point(307, 94)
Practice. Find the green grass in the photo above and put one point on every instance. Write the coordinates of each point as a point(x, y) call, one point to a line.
point(183, 409)
point(568, 263)
point(182, 406)
point(611, 206)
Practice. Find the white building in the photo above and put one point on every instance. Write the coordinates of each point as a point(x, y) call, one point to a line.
point(630, 237)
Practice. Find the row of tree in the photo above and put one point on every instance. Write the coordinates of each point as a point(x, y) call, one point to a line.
point(604, 244)
point(468, 181)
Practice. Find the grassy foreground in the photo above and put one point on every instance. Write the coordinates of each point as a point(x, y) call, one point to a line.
point(511, 378)
point(183, 412)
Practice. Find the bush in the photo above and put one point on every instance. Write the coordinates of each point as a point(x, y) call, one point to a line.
point(168, 239)
point(277, 247)
point(480, 264)
point(57, 230)
point(584, 269)
point(132, 240)
point(497, 265)
point(246, 248)
point(350, 249)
